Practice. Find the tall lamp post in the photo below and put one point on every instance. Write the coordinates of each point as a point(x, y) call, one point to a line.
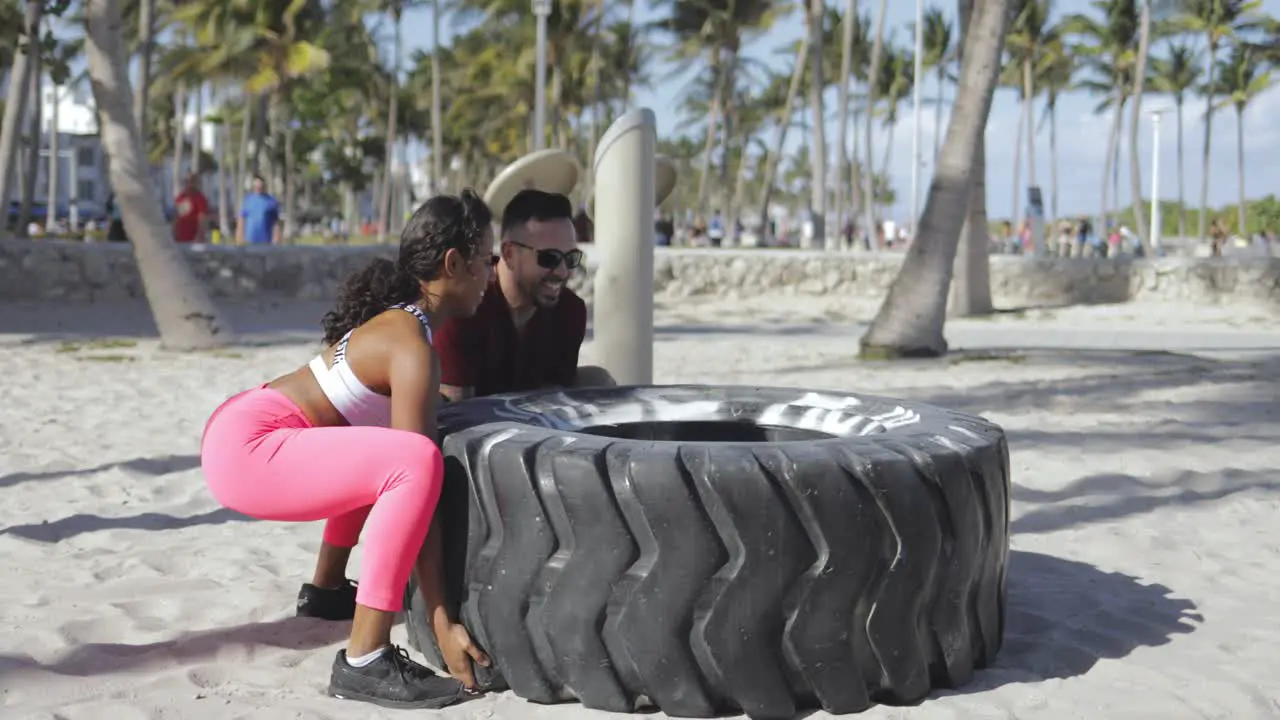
point(1155, 178)
point(541, 10)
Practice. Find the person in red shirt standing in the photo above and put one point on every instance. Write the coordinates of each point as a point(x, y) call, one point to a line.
point(191, 212)
point(529, 328)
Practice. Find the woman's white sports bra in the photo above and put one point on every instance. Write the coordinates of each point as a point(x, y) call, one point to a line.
point(353, 399)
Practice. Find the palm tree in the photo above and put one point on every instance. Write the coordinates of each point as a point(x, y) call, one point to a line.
point(1030, 33)
point(939, 55)
point(910, 322)
point(848, 32)
point(267, 44)
point(873, 70)
point(1218, 22)
point(1108, 48)
point(183, 311)
point(971, 271)
point(1241, 79)
point(146, 43)
point(1057, 76)
point(15, 106)
point(395, 8)
point(1135, 170)
point(715, 30)
point(814, 19)
point(781, 125)
point(1176, 75)
point(893, 83)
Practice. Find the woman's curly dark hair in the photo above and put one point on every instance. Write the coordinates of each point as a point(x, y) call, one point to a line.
point(442, 223)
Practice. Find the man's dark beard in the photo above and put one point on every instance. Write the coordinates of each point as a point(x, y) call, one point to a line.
point(533, 292)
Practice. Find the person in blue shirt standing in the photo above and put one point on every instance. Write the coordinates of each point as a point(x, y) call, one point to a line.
point(259, 216)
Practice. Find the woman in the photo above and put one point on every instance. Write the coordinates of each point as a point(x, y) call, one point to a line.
point(348, 437)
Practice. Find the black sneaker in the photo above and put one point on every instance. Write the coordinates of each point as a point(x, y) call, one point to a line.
point(393, 681)
point(327, 604)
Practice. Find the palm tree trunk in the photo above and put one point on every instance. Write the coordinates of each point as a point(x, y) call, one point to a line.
point(1017, 170)
point(280, 119)
point(1135, 170)
point(183, 311)
point(179, 132)
point(780, 132)
point(1240, 210)
point(146, 47)
point(631, 45)
point(242, 163)
point(888, 149)
point(1113, 137)
point(437, 115)
point(868, 175)
point(842, 103)
point(971, 285)
point(33, 151)
point(855, 170)
point(224, 168)
point(1208, 135)
point(713, 126)
point(1115, 158)
point(15, 107)
point(739, 190)
point(1053, 156)
point(259, 130)
point(818, 139)
point(728, 112)
point(388, 184)
point(51, 192)
point(197, 139)
point(1182, 199)
point(1028, 104)
point(937, 112)
point(597, 107)
point(910, 322)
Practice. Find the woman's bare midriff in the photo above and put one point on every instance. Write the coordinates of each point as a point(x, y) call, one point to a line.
point(301, 387)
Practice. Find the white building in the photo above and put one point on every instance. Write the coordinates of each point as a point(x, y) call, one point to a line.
point(87, 183)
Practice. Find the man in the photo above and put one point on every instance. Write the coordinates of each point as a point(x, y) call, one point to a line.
point(191, 212)
point(529, 328)
point(259, 216)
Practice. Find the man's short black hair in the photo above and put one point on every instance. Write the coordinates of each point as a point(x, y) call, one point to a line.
point(535, 205)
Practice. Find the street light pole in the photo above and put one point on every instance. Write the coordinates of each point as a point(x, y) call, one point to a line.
point(915, 134)
point(541, 10)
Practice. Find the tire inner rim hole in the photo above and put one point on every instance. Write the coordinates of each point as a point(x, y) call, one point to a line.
point(732, 431)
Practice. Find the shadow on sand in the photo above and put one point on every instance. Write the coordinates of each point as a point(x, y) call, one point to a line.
point(161, 465)
point(69, 527)
point(91, 659)
point(1064, 616)
point(1111, 496)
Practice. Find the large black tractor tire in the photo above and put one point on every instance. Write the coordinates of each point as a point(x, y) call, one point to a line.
point(713, 549)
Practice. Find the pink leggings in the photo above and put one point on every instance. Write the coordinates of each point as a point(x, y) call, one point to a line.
point(262, 457)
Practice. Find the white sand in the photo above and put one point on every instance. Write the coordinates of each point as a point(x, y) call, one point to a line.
point(1144, 581)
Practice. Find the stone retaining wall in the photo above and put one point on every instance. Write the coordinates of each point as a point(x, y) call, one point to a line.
point(93, 272)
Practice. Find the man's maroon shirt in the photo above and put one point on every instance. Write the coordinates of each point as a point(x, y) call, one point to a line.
point(485, 352)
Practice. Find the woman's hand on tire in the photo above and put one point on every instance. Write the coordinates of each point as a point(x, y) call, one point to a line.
point(459, 651)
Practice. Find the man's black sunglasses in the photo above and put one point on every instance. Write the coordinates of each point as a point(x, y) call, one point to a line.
point(551, 259)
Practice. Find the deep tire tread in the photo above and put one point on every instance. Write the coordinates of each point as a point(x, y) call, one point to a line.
point(707, 578)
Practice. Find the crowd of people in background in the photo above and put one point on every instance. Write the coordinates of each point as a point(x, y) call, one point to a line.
point(259, 222)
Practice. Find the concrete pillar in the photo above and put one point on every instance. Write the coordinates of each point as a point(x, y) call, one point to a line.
point(624, 213)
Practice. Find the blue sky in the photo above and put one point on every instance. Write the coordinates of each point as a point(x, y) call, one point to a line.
point(1081, 134)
